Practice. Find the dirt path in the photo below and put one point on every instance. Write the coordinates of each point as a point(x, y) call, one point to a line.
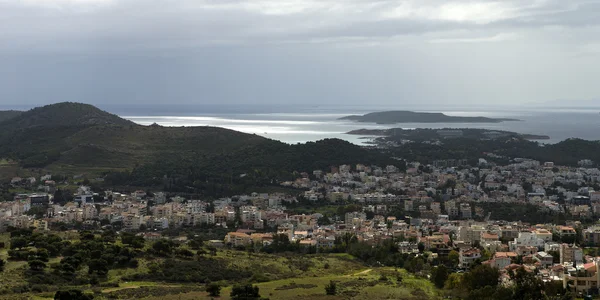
point(360, 273)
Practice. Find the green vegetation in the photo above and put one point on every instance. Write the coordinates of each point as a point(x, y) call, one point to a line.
point(214, 290)
point(482, 282)
point(70, 138)
point(568, 152)
point(110, 266)
point(244, 292)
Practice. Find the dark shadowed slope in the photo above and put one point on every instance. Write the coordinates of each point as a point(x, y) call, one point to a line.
point(79, 137)
point(9, 114)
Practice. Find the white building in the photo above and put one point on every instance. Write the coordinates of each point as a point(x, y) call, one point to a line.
point(527, 239)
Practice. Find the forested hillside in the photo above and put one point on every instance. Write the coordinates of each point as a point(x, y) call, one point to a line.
point(79, 138)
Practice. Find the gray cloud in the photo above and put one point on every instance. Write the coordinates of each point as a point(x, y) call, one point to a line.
point(344, 51)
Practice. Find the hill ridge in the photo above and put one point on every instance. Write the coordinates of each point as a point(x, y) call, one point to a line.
point(64, 114)
point(79, 138)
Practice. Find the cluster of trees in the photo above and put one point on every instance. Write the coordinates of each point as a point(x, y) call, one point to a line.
point(483, 283)
point(516, 212)
point(568, 152)
point(97, 254)
point(245, 292)
point(72, 295)
point(200, 269)
point(35, 248)
point(263, 165)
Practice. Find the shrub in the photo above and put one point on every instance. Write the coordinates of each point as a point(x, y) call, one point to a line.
point(331, 288)
point(72, 295)
point(214, 290)
point(245, 292)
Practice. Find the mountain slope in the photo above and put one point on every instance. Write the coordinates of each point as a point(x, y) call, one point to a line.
point(9, 114)
point(76, 138)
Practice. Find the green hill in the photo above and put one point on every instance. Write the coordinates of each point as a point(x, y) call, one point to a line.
point(77, 138)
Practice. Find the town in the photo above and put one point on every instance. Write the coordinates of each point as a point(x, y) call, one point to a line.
point(444, 209)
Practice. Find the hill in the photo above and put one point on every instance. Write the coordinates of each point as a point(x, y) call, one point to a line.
point(75, 138)
point(63, 114)
point(401, 116)
point(9, 114)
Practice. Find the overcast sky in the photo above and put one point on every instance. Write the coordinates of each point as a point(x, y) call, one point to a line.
point(357, 52)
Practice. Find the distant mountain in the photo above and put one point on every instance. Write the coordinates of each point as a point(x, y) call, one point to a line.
point(76, 138)
point(401, 116)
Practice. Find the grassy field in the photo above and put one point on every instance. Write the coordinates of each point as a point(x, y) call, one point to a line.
point(282, 276)
point(366, 284)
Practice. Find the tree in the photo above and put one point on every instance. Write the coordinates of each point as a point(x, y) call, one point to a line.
point(527, 285)
point(72, 295)
point(36, 265)
point(415, 265)
point(2, 265)
point(18, 242)
point(503, 293)
point(196, 243)
point(454, 282)
point(98, 266)
point(163, 247)
point(453, 258)
point(245, 292)
point(439, 275)
point(331, 288)
point(480, 277)
point(214, 290)
point(421, 247)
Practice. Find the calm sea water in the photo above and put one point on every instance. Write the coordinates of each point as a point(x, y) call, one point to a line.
point(296, 125)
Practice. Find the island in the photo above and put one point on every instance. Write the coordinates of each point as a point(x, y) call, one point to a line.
point(402, 116)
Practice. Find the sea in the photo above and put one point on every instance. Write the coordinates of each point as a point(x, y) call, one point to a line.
point(300, 124)
point(304, 123)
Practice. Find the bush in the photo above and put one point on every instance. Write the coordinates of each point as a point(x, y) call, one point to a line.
point(37, 265)
point(109, 284)
point(72, 295)
point(214, 290)
point(331, 288)
point(201, 270)
point(245, 292)
point(134, 263)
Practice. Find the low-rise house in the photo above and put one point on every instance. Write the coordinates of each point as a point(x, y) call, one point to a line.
point(545, 259)
point(468, 257)
point(570, 254)
point(591, 236)
point(237, 239)
point(584, 278)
